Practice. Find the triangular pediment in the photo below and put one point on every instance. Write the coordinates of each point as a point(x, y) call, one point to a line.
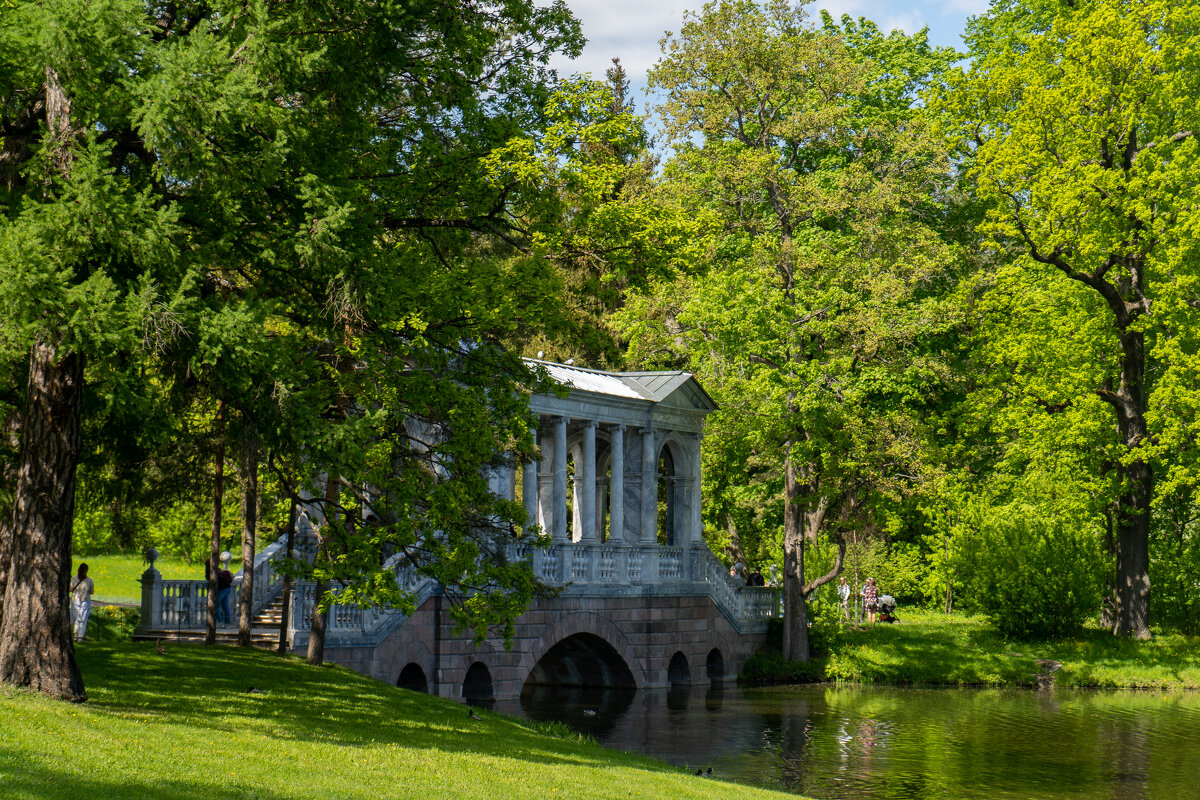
point(673, 389)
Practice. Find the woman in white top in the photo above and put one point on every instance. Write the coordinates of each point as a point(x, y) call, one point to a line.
point(82, 589)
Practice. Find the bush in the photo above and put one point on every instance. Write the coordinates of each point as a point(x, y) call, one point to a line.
point(113, 623)
point(1034, 575)
point(92, 533)
point(902, 573)
point(767, 668)
point(1175, 580)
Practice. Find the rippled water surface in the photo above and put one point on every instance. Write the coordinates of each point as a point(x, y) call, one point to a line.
point(905, 744)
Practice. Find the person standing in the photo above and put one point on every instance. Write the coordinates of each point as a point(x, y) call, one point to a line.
point(224, 587)
point(844, 597)
point(870, 595)
point(82, 589)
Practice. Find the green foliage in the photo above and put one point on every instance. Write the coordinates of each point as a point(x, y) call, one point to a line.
point(1035, 569)
point(1175, 566)
point(902, 573)
point(772, 668)
point(1077, 123)
point(113, 623)
point(327, 220)
point(933, 648)
point(810, 305)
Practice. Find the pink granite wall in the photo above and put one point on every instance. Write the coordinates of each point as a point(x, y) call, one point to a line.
point(645, 632)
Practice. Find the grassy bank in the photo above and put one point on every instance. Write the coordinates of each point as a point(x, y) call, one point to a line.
point(929, 648)
point(184, 725)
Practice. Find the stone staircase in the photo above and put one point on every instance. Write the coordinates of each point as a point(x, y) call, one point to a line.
point(264, 630)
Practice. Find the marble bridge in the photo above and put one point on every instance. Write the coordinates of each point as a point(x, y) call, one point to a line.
point(644, 603)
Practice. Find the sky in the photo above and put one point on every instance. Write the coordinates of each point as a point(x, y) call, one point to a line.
point(630, 29)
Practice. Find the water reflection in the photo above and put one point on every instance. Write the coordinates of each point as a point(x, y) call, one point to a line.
point(902, 744)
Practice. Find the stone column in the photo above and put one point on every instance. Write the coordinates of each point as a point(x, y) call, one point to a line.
point(545, 484)
point(616, 487)
point(693, 524)
point(649, 486)
point(587, 514)
point(529, 489)
point(559, 480)
point(601, 505)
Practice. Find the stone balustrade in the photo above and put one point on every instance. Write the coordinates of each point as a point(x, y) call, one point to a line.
point(182, 605)
point(581, 569)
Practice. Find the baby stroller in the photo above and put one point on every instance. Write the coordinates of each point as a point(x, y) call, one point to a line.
point(887, 608)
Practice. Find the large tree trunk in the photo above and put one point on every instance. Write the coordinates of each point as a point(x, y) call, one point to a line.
point(8, 476)
point(801, 526)
point(214, 545)
point(316, 638)
point(286, 613)
point(249, 539)
point(1131, 611)
point(36, 649)
point(5, 552)
point(795, 608)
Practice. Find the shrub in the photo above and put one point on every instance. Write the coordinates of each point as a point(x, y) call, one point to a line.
point(771, 667)
point(902, 573)
point(1033, 574)
point(1175, 578)
point(113, 623)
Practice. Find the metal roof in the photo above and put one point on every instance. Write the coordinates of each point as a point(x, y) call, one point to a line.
point(652, 386)
point(658, 385)
point(591, 380)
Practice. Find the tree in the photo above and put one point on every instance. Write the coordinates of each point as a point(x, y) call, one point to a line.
point(1080, 122)
point(211, 185)
point(805, 310)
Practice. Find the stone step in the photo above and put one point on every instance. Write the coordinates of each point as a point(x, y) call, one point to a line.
point(266, 638)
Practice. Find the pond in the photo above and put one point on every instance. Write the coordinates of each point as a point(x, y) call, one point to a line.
point(892, 743)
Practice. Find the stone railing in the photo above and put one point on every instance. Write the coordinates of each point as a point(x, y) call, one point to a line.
point(582, 570)
point(182, 605)
point(268, 580)
point(179, 605)
point(349, 625)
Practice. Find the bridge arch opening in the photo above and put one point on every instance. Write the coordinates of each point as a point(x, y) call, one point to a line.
point(477, 686)
point(715, 666)
point(678, 672)
point(583, 660)
point(413, 677)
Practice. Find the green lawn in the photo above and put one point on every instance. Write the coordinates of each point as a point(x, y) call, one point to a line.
point(116, 576)
point(932, 648)
point(183, 725)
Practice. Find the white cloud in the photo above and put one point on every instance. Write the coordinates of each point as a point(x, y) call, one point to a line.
point(625, 29)
point(630, 29)
point(965, 8)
